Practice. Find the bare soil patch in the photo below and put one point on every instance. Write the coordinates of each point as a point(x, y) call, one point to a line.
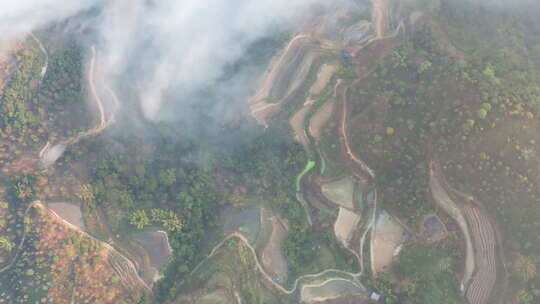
point(387, 238)
point(69, 212)
point(345, 225)
point(156, 244)
point(330, 289)
point(320, 118)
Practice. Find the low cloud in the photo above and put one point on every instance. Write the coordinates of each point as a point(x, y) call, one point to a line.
point(154, 46)
point(19, 17)
point(185, 45)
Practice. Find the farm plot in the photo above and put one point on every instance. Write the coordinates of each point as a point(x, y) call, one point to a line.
point(248, 222)
point(320, 118)
point(156, 244)
point(433, 229)
point(386, 240)
point(69, 212)
point(330, 289)
point(341, 192)
point(297, 124)
point(218, 296)
point(345, 225)
point(323, 78)
point(485, 276)
point(287, 75)
point(273, 258)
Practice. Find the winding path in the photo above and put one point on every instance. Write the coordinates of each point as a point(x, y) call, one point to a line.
point(44, 51)
point(244, 240)
point(49, 154)
point(480, 277)
point(103, 121)
point(377, 16)
point(129, 263)
point(21, 243)
point(444, 201)
point(346, 144)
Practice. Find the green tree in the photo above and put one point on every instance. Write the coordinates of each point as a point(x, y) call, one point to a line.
point(468, 125)
point(23, 188)
point(482, 113)
point(167, 177)
point(139, 219)
point(86, 193)
point(5, 243)
point(166, 218)
point(425, 66)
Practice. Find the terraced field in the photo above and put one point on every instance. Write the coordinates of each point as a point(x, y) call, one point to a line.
point(481, 269)
point(441, 197)
point(287, 75)
point(484, 242)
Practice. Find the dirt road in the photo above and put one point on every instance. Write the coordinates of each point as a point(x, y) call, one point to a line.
point(445, 202)
point(112, 250)
point(345, 137)
point(44, 51)
point(261, 269)
point(51, 153)
point(21, 243)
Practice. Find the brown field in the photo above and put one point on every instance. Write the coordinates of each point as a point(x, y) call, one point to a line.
point(78, 264)
point(69, 212)
point(273, 258)
point(297, 124)
point(345, 225)
point(320, 118)
point(387, 237)
point(323, 79)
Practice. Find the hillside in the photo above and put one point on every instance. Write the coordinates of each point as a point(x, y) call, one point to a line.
point(382, 151)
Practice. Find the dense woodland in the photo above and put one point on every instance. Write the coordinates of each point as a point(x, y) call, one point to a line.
point(462, 89)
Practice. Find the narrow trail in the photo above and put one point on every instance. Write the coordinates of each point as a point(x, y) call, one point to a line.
point(50, 153)
point(444, 201)
point(45, 148)
point(44, 51)
point(322, 299)
point(345, 136)
point(269, 79)
point(499, 240)
point(487, 241)
point(379, 8)
point(377, 16)
point(261, 269)
point(21, 243)
point(355, 276)
point(103, 121)
point(111, 249)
